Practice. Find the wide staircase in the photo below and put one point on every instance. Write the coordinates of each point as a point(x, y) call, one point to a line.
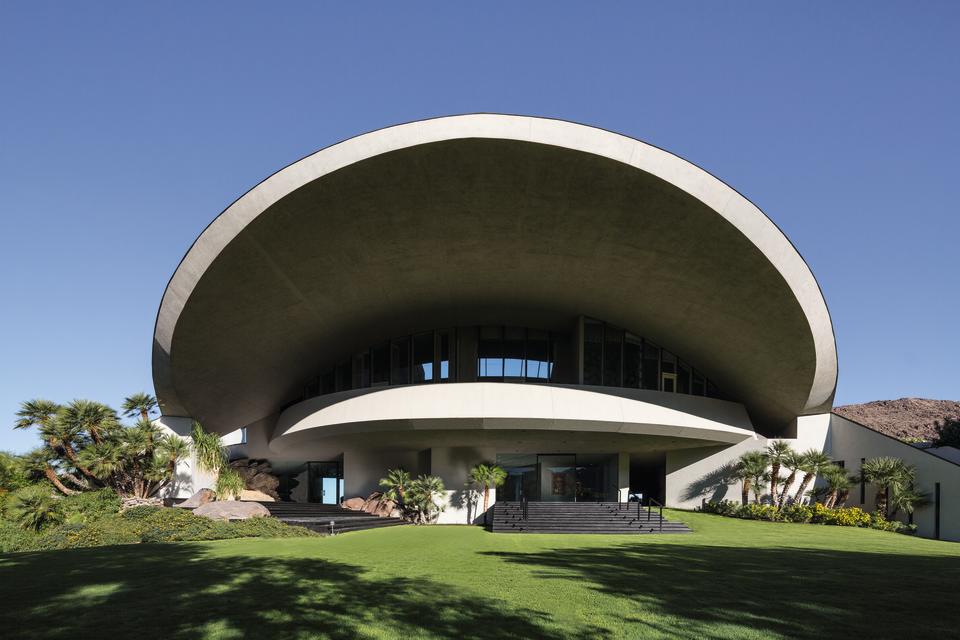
point(327, 518)
point(581, 517)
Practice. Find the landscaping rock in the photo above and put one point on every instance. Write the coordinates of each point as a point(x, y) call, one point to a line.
point(231, 510)
point(198, 499)
point(255, 496)
point(355, 504)
point(257, 476)
point(376, 504)
point(130, 503)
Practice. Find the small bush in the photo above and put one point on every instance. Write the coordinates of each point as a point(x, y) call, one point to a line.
point(797, 513)
point(140, 513)
point(758, 512)
point(13, 537)
point(723, 508)
point(86, 507)
point(99, 533)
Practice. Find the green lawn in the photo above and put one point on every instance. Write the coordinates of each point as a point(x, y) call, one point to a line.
point(729, 579)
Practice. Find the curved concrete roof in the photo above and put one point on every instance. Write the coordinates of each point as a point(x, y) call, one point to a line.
point(461, 220)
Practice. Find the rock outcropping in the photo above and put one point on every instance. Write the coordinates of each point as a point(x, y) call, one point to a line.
point(231, 510)
point(257, 475)
point(906, 418)
point(376, 503)
point(198, 499)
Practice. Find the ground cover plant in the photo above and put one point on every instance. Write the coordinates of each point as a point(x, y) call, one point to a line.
point(729, 579)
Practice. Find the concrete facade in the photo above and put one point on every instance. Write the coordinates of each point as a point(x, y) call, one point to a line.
point(433, 234)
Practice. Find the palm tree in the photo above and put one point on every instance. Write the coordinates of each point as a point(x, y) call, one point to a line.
point(793, 460)
point(229, 484)
point(35, 507)
point(38, 462)
point(487, 476)
point(425, 496)
point(837, 481)
point(777, 452)
point(751, 470)
point(908, 499)
point(396, 484)
point(886, 473)
point(814, 462)
point(93, 419)
point(139, 403)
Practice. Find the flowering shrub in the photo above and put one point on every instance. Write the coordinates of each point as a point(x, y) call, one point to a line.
point(816, 513)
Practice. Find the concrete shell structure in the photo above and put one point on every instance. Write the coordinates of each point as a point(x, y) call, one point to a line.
point(469, 288)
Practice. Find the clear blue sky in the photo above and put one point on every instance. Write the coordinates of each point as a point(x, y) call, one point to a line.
point(125, 129)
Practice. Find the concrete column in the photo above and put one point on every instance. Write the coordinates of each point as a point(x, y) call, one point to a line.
point(623, 476)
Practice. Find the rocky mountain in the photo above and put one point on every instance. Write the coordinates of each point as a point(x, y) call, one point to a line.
point(906, 418)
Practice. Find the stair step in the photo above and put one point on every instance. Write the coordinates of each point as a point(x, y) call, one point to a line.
point(580, 517)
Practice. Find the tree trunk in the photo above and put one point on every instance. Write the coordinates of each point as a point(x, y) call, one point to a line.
point(807, 477)
point(786, 488)
point(55, 481)
point(77, 482)
point(842, 497)
point(881, 502)
point(72, 456)
point(486, 498)
point(830, 500)
point(745, 491)
point(774, 476)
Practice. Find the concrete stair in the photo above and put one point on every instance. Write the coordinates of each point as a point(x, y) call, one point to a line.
point(318, 517)
point(580, 517)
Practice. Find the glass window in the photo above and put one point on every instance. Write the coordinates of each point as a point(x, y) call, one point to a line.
point(712, 390)
point(632, 355)
point(380, 365)
point(400, 361)
point(423, 357)
point(361, 370)
point(344, 376)
point(683, 377)
point(490, 353)
point(514, 352)
point(538, 355)
point(699, 386)
point(651, 366)
point(445, 337)
point(592, 352)
point(668, 371)
point(612, 359)
point(328, 383)
point(312, 389)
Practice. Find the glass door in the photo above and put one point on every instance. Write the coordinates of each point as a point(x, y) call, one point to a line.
point(325, 482)
point(558, 477)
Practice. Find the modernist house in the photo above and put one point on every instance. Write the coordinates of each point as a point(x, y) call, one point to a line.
point(598, 316)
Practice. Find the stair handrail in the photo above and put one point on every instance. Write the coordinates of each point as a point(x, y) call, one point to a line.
point(524, 509)
point(650, 503)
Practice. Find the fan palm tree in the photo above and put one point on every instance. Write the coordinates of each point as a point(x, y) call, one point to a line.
point(813, 463)
point(487, 476)
point(908, 499)
point(396, 485)
point(86, 417)
point(139, 403)
point(35, 507)
point(426, 495)
point(837, 482)
point(793, 460)
point(886, 473)
point(777, 452)
point(751, 470)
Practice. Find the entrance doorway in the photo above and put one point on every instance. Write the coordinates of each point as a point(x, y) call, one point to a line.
point(559, 477)
point(324, 482)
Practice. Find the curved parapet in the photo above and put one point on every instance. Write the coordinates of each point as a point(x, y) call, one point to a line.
point(500, 406)
point(458, 217)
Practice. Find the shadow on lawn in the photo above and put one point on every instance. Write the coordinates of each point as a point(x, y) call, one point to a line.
point(184, 591)
point(720, 592)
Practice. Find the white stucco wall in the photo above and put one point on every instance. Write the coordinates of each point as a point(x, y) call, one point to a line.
point(850, 442)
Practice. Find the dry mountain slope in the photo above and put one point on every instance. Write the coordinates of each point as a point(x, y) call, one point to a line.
point(903, 418)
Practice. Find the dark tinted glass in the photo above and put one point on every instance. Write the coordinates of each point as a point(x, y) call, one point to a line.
point(514, 352)
point(632, 355)
point(592, 352)
point(612, 342)
point(423, 357)
point(380, 364)
point(651, 366)
point(400, 361)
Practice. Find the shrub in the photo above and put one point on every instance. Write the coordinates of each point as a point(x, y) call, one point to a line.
point(842, 517)
point(89, 506)
point(35, 507)
point(723, 508)
point(14, 537)
point(797, 513)
point(139, 513)
point(98, 533)
point(758, 512)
